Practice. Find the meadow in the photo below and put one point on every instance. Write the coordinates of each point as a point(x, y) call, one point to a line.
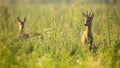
point(61, 26)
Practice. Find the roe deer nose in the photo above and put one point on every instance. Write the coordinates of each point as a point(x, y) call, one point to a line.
point(85, 24)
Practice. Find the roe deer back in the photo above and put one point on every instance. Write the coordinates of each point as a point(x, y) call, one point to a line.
point(21, 25)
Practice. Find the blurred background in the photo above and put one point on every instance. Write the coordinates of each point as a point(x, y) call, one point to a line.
point(57, 1)
point(61, 24)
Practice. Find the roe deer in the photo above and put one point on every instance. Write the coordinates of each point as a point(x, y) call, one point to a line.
point(21, 25)
point(87, 35)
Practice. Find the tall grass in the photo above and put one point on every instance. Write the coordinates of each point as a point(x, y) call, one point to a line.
point(61, 26)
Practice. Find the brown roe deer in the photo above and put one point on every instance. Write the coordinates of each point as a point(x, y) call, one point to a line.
point(87, 35)
point(21, 25)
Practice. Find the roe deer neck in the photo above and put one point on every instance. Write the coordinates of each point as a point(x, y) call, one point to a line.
point(88, 30)
point(21, 29)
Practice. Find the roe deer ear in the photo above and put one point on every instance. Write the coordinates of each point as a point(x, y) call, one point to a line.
point(24, 19)
point(84, 15)
point(19, 19)
point(92, 15)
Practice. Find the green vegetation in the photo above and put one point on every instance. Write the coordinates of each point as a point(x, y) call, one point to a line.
point(62, 26)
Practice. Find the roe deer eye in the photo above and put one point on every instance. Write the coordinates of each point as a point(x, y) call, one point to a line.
point(89, 20)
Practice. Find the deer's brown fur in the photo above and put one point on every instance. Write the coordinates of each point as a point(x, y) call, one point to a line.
point(21, 25)
point(87, 35)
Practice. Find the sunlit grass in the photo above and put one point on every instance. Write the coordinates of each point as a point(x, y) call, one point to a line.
point(61, 27)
